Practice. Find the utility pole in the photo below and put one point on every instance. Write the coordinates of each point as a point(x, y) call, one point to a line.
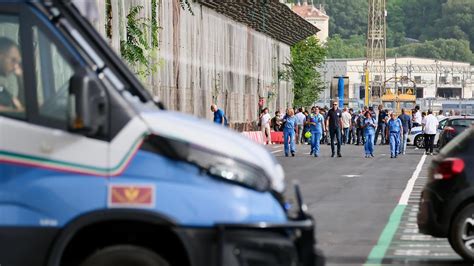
point(396, 77)
point(376, 42)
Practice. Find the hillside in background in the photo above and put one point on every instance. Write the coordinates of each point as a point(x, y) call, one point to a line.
point(440, 29)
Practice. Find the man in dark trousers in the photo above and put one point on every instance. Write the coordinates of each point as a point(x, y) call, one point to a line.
point(334, 125)
point(381, 123)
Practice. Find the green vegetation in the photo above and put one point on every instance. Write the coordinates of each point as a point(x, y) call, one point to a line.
point(443, 28)
point(306, 56)
point(136, 48)
point(457, 50)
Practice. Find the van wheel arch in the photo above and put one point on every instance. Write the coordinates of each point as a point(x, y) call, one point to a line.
point(97, 230)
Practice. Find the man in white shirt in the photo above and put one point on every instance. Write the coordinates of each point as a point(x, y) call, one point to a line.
point(417, 119)
point(300, 121)
point(430, 127)
point(346, 125)
point(265, 119)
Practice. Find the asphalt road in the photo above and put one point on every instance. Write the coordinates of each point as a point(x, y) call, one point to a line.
point(352, 199)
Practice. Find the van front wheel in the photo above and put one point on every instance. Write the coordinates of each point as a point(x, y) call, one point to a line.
point(124, 255)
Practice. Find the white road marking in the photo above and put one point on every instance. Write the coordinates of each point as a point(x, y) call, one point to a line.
point(277, 151)
point(411, 183)
point(351, 176)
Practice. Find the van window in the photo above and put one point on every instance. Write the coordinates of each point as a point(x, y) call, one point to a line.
point(11, 72)
point(53, 73)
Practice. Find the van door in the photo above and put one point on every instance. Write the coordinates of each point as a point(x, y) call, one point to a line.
point(45, 171)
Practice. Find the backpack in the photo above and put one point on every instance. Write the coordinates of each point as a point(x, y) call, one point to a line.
point(360, 121)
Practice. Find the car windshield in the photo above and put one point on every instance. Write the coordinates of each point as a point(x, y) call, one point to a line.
point(459, 143)
point(462, 122)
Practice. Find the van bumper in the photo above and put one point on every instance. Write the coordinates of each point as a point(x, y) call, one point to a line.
point(290, 243)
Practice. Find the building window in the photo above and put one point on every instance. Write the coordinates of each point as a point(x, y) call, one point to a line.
point(418, 79)
point(419, 93)
point(442, 80)
point(449, 92)
point(456, 80)
point(378, 78)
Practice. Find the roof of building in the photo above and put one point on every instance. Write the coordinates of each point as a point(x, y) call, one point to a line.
point(308, 11)
point(270, 17)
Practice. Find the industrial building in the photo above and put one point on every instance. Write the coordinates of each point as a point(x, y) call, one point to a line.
point(429, 79)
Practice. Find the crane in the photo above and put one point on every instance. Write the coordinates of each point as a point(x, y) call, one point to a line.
point(376, 55)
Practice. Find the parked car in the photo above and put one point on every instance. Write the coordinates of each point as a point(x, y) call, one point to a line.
point(416, 137)
point(454, 126)
point(447, 200)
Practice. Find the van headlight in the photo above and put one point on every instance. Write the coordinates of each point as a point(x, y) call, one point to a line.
point(241, 174)
point(230, 169)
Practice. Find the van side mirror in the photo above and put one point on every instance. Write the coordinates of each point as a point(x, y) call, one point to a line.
point(87, 105)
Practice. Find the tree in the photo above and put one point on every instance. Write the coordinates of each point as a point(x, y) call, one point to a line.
point(306, 57)
point(347, 17)
point(354, 47)
point(457, 20)
point(447, 49)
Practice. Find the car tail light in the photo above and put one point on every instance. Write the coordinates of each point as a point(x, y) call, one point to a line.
point(448, 168)
point(451, 130)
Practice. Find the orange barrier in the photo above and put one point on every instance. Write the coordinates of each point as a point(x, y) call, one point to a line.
point(256, 136)
point(277, 137)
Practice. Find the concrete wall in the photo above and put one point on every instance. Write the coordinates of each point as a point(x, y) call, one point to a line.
point(207, 57)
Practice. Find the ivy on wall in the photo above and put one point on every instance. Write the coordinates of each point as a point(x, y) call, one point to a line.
point(137, 49)
point(141, 42)
point(186, 5)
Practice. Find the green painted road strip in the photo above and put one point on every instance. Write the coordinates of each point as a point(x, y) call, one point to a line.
point(378, 252)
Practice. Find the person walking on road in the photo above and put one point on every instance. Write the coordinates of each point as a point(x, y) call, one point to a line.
point(430, 127)
point(360, 127)
point(300, 121)
point(316, 127)
point(276, 122)
point(369, 132)
point(334, 125)
point(219, 115)
point(353, 130)
point(265, 125)
point(346, 125)
point(440, 115)
point(395, 129)
point(417, 118)
point(406, 123)
point(381, 123)
point(289, 132)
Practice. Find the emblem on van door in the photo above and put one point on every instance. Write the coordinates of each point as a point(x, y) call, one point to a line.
point(131, 196)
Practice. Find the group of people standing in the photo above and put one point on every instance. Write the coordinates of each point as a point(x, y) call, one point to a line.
point(338, 127)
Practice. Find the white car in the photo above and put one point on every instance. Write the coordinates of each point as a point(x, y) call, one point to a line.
point(416, 136)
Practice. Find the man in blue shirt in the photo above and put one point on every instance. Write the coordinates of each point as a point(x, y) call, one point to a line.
point(395, 130)
point(289, 131)
point(219, 116)
point(406, 123)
